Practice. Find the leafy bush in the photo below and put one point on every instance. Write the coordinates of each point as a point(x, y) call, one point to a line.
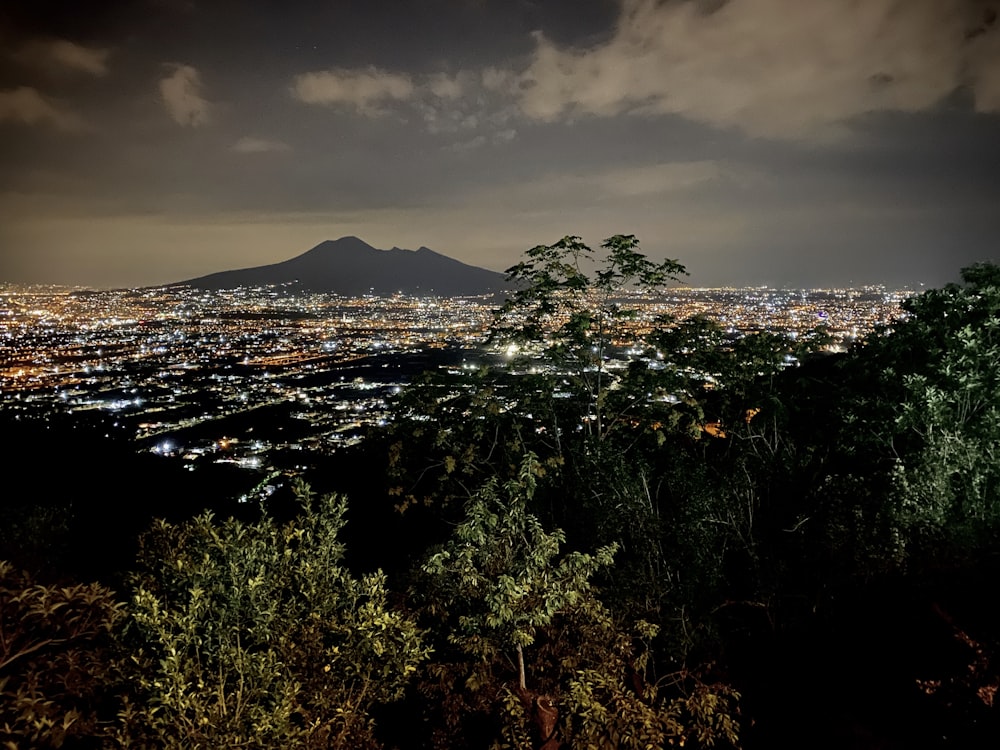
point(55, 664)
point(254, 635)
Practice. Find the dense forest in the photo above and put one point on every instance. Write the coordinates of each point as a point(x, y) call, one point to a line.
point(709, 540)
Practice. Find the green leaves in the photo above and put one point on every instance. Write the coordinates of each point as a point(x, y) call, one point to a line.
point(501, 573)
point(524, 628)
point(255, 635)
point(912, 469)
point(576, 321)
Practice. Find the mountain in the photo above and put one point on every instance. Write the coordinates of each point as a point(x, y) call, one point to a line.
point(352, 267)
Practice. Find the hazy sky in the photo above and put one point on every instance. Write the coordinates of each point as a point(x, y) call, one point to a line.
point(781, 142)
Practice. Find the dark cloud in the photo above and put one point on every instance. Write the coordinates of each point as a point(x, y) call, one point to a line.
point(28, 106)
point(61, 55)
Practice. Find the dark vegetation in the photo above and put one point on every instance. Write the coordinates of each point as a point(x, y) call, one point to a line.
point(706, 548)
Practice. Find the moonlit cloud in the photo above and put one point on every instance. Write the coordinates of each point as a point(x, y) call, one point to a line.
point(366, 91)
point(28, 106)
point(181, 95)
point(498, 79)
point(445, 86)
point(459, 104)
point(250, 145)
point(780, 69)
point(774, 68)
point(61, 54)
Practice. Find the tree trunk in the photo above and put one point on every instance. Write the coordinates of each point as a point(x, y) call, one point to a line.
point(541, 709)
point(544, 715)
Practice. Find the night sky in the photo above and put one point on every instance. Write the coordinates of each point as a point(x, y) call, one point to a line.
point(780, 142)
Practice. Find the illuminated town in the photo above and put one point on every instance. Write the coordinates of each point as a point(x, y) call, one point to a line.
point(262, 377)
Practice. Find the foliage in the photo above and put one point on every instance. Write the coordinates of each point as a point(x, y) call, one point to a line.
point(448, 435)
point(913, 473)
point(744, 495)
point(531, 650)
point(605, 711)
point(576, 321)
point(596, 529)
point(724, 372)
point(451, 434)
point(492, 591)
point(255, 635)
point(948, 485)
point(501, 555)
point(971, 688)
point(55, 673)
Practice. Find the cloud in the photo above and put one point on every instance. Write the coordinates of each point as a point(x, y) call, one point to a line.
point(467, 104)
point(495, 138)
point(366, 91)
point(26, 105)
point(498, 79)
point(773, 68)
point(779, 69)
point(181, 94)
point(984, 71)
point(445, 86)
point(60, 54)
point(251, 145)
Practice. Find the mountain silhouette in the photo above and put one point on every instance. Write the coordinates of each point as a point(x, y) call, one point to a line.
point(350, 266)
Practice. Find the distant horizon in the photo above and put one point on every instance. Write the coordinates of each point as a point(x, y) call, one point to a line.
point(686, 287)
point(896, 279)
point(849, 284)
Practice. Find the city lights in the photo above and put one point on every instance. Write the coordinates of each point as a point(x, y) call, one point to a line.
point(178, 366)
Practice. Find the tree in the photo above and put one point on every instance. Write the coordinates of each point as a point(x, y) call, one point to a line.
point(522, 622)
point(576, 332)
point(946, 472)
point(898, 467)
point(255, 635)
point(578, 321)
point(495, 585)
